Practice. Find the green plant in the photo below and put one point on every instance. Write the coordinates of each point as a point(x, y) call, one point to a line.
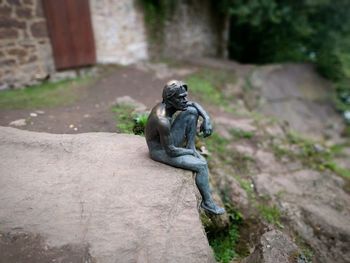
point(128, 121)
point(224, 242)
point(140, 121)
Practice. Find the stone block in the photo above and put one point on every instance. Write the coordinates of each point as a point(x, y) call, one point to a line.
point(39, 9)
point(7, 22)
point(20, 53)
point(7, 62)
point(5, 11)
point(8, 33)
point(28, 2)
point(39, 29)
point(24, 12)
point(14, 2)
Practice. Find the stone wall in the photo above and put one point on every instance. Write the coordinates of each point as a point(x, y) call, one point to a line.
point(120, 37)
point(119, 30)
point(192, 31)
point(25, 50)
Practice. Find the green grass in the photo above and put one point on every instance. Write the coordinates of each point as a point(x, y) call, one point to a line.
point(224, 242)
point(246, 186)
point(241, 134)
point(44, 95)
point(207, 85)
point(223, 245)
point(310, 154)
point(124, 118)
point(128, 121)
point(271, 214)
point(217, 144)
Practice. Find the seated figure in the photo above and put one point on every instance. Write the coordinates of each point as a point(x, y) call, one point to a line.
point(171, 137)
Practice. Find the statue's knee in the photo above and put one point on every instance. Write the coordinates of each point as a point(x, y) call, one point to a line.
point(202, 166)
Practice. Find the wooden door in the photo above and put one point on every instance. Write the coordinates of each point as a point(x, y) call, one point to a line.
point(70, 31)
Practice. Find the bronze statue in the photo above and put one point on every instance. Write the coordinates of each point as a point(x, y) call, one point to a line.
point(171, 137)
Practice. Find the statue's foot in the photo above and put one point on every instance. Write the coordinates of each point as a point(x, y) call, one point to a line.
point(213, 208)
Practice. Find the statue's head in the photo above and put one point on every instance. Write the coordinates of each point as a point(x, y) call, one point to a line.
point(175, 94)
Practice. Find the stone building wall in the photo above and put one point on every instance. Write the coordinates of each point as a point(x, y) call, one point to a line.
point(192, 30)
point(25, 50)
point(119, 30)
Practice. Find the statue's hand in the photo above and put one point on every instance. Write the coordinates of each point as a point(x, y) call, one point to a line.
point(206, 128)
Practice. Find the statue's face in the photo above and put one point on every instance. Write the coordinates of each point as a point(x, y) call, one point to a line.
point(179, 101)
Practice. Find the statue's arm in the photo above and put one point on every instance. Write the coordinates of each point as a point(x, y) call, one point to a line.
point(206, 126)
point(167, 144)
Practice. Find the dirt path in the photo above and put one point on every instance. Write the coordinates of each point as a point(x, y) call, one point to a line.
point(92, 113)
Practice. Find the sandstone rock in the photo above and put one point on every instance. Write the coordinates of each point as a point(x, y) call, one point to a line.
point(295, 93)
point(316, 207)
point(274, 246)
point(18, 123)
point(268, 163)
point(232, 189)
point(241, 124)
point(243, 148)
point(102, 192)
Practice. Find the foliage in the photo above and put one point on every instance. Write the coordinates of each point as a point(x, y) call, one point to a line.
point(224, 242)
point(140, 122)
point(128, 121)
point(47, 94)
point(318, 31)
point(156, 12)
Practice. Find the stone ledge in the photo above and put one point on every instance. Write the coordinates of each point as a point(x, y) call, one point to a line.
point(99, 190)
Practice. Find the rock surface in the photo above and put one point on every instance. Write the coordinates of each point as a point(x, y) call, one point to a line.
point(316, 207)
point(99, 193)
point(274, 246)
point(295, 93)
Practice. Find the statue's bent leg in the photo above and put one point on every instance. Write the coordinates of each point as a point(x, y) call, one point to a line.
point(184, 128)
point(197, 165)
